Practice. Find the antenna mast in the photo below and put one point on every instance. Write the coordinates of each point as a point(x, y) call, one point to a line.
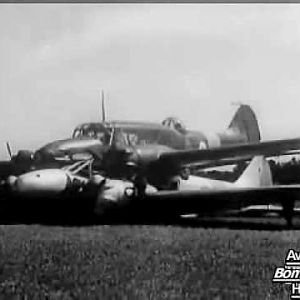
point(102, 106)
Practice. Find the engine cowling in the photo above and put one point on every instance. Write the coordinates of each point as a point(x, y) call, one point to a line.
point(115, 194)
point(23, 156)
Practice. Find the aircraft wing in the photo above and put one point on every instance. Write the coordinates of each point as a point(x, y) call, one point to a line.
point(232, 161)
point(238, 152)
point(211, 201)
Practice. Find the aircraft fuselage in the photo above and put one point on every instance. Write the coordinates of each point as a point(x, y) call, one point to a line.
point(94, 137)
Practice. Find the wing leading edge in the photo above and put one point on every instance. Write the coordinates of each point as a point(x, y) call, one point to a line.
point(268, 148)
point(211, 201)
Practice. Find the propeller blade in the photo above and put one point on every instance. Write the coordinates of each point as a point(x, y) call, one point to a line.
point(9, 150)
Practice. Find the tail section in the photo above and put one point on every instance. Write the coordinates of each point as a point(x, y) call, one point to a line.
point(244, 123)
point(257, 174)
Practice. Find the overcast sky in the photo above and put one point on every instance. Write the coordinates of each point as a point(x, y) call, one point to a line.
point(152, 60)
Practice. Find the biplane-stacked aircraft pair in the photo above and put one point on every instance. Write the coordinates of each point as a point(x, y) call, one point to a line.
point(144, 168)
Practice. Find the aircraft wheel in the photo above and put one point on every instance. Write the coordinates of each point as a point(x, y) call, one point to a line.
point(289, 222)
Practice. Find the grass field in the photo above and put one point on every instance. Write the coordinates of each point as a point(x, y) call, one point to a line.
point(142, 262)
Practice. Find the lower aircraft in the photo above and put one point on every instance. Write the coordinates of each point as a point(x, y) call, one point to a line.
point(194, 195)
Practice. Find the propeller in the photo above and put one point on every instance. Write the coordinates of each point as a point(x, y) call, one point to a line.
point(9, 150)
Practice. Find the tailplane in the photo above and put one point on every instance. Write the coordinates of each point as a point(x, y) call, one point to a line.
point(244, 123)
point(257, 174)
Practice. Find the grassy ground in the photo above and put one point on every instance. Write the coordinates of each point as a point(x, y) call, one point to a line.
point(141, 262)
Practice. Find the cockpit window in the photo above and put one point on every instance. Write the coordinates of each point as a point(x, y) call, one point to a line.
point(100, 133)
point(76, 133)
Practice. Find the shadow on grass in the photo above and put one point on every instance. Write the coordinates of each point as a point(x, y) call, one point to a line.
point(70, 214)
point(236, 223)
point(270, 224)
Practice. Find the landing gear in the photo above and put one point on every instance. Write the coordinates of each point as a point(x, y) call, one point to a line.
point(185, 173)
point(134, 175)
point(140, 183)
point(288, 212)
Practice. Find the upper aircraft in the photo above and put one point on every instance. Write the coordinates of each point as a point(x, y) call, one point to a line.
point(92, 138)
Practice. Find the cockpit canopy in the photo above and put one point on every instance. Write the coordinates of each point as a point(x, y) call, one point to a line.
point(175, 123)
point(129, 134)
point(93, 130)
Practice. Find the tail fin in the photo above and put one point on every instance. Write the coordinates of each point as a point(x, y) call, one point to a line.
point(257, 173)
point(245, 123)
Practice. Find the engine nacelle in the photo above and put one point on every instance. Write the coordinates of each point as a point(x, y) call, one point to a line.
point(40, 183)
point(24, 155)
point(45, 183)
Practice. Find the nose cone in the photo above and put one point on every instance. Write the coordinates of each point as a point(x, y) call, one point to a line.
point(45, 182)
point(68, 147)
point(51, 151)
